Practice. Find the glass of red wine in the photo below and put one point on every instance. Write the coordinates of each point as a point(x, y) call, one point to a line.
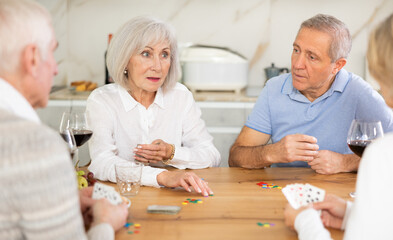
point(361, 134)
point(77, 123)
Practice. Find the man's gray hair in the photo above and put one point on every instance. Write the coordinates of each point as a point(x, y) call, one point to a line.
point(22, 22)
point(341, 38)
point(132, 38)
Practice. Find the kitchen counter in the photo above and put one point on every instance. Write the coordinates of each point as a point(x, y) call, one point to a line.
point(206, 96)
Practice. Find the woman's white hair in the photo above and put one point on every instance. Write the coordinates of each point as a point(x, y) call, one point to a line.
point(132, 38)
point(22, 22)
point(341, 38)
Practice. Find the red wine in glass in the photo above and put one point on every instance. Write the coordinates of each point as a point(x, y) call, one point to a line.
point(360, 135)
point(78, 124)
point(358, 146)
point(82, 136)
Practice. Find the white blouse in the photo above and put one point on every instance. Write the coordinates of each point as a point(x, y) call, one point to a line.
point(119, 123)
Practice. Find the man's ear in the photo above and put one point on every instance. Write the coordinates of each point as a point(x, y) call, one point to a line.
point(338, 65)
point(30, 60)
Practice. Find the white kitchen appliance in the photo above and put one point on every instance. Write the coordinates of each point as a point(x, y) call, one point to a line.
point(209, 68)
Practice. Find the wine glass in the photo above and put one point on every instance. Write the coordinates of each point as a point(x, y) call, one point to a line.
point(77, 122)
point(68, 137)
point(361, 134)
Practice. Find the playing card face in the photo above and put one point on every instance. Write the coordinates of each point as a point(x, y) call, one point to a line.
point(289, 196)
point(301, 195)
point(313, 194)
point(103, 191)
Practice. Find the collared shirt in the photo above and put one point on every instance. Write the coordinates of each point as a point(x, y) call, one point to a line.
point(119, 123)
point(282, 110)
point(12, 101)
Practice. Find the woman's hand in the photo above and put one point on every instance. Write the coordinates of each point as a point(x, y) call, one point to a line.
point(155, 152)
point(290, 214)
point(333, 210)
point(184, 179)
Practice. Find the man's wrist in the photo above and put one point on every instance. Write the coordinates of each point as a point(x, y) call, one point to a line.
point(350, 162)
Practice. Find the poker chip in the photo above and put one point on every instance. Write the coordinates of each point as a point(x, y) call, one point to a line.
point(192, 200)
point(268, 185)
point(266, 225)
point(133, 228)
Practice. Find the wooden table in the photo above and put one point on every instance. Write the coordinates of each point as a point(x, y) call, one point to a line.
point(235, 209)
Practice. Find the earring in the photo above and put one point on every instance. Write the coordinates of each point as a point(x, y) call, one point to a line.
point(125, 72)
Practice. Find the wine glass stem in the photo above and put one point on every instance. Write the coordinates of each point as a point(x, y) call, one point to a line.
point(77, 159)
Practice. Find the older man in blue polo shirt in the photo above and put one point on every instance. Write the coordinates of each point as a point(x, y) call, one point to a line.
point(307, 113)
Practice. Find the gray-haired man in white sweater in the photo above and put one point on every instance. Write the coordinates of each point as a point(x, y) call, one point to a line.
point(39, 198)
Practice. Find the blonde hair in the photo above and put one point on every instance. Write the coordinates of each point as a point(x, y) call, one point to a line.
point(341, 38)
point(380, 53)
point(132, 38)
point(22, 22)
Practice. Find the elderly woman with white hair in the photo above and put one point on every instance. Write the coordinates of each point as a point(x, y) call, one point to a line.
point(146, 115)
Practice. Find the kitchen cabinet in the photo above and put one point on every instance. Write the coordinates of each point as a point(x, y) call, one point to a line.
point(224, 120)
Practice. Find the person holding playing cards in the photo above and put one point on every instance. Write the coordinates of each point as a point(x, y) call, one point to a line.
point(39, 196)
point(307, 113)
point(147, 116)
point(368, 217)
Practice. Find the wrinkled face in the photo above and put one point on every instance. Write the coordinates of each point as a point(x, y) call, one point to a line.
point(312, 69)
point(148, 69)
point(46, 70)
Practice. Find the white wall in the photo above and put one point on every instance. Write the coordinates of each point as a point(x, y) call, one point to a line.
point(261, 30)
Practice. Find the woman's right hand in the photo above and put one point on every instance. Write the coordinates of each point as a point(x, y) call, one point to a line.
point(333, 210)
point(184, 179)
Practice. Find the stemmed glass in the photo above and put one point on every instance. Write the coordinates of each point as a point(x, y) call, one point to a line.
point(361, 134)
point(77, 122)
point(68, 137)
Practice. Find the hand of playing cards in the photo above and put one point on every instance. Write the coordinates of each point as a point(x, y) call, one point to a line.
point(302, 194)
point(103, 191)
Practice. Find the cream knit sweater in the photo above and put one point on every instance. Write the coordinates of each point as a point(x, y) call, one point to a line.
point(38, 190)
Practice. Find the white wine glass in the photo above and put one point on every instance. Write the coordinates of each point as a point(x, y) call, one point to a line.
point(361, 134)
point(68, 137)
point(77, 122)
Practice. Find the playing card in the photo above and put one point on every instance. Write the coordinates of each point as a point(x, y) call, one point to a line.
point(289, 196)
point(103, 191)
point(313, 194)
point(302, 194)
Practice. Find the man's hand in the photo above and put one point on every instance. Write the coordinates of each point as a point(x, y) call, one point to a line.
point(184, 179)
point(333, 210)
point(86, 202)
point(85, 199)
point(296, 147)
point(327, 162)
point(105, 212)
